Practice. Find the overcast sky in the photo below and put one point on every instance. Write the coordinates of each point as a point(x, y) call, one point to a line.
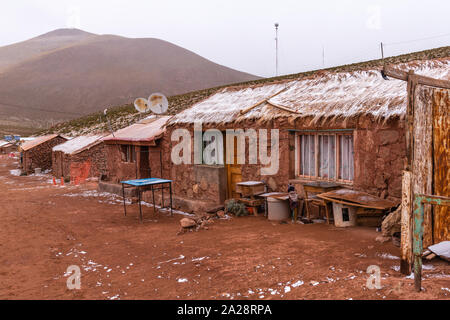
point(240, 33)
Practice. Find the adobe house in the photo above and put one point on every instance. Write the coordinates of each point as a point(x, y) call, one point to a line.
point(345, 125)
point(79, 158)
point(37, 153)
point(135, 152)
point(7, 147)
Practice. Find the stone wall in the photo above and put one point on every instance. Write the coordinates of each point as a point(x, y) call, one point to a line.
point(41, 155)
point(119, 170)
point(94, 157)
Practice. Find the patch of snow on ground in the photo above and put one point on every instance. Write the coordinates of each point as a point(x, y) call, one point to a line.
point(15, 172)
point(387, 256)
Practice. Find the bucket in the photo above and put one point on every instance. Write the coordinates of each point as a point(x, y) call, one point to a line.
point(277, 209)
point(344, 216)
point(37, 170)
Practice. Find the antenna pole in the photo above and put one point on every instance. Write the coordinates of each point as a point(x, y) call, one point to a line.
point(382, 51)
point(323, 56)
point(276, 48)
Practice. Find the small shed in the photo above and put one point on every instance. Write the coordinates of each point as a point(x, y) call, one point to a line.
point(135, 151)
point(37, 153)
point(79, 158)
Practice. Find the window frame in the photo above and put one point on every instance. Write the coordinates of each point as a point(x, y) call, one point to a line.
point(337, 145)
point(128, 156)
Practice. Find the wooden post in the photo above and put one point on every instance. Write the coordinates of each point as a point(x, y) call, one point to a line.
point(406, 228)
point(408, 198)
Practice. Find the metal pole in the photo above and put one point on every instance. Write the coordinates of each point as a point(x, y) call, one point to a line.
point(382, 51)
point(123, 195)
point(140, 207)
point(276, 48)
point(170, 184)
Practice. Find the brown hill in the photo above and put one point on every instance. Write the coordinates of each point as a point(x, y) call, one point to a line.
point(19, 52)
point(66, 73)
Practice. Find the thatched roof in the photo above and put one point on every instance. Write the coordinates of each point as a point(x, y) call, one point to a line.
point(322, 95)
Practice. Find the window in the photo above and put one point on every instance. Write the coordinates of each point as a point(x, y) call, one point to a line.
point(212, 148)
point(327, 156)
point(128, 153)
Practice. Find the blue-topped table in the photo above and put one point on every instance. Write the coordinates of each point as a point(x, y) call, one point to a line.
point(148, 182)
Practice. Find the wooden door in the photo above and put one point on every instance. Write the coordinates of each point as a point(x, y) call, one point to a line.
point(144, 162)
point(234, 174)
point(441, 161)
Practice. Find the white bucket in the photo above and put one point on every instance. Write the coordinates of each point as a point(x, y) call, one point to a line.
point(37, 170)
point(344, 216)
point(277, 209)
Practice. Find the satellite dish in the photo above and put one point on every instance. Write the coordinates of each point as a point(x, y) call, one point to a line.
point(158, 103)
point(141, 105)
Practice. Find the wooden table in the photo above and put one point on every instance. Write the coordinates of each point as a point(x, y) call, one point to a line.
point(319, 187)
point(357, 199)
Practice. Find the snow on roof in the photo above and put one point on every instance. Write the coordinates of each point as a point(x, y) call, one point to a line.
point(225, 105)
point(147, 130)
point(2, 143)
point(27, 145)
point(78, 144)
point(325, 94)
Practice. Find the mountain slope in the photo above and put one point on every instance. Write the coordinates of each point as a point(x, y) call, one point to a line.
point(77, 73)
point(19, 52)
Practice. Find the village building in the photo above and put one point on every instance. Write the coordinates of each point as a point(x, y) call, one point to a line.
point(346, 127)
point(79, 158)
point(37, 153)
point(135, 152)
point(7, 147)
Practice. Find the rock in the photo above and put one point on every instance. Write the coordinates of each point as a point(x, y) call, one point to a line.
point(391, 223)
point(382, 239)
point(188, 223)
point(195, 188)
point(220, 213)
point(204, 184)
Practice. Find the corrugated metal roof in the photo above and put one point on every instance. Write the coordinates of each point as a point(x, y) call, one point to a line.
point(79, 144)
point(35, 142)
point(147, 130)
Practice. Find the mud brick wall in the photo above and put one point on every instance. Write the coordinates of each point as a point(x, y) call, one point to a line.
point(40, 156)
point(118, 170)
point(94, 157)
point(379, 155)
point(7, 150)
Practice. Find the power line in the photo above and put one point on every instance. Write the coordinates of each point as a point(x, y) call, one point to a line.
point(415, 40)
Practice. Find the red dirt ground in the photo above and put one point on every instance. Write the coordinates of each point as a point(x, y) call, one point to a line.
point(43, 231)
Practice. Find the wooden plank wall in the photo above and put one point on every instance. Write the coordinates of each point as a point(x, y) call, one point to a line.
point(441, 146)
point(423, 153)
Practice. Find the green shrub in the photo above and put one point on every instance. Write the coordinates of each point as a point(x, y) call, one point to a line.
point(237, 208)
